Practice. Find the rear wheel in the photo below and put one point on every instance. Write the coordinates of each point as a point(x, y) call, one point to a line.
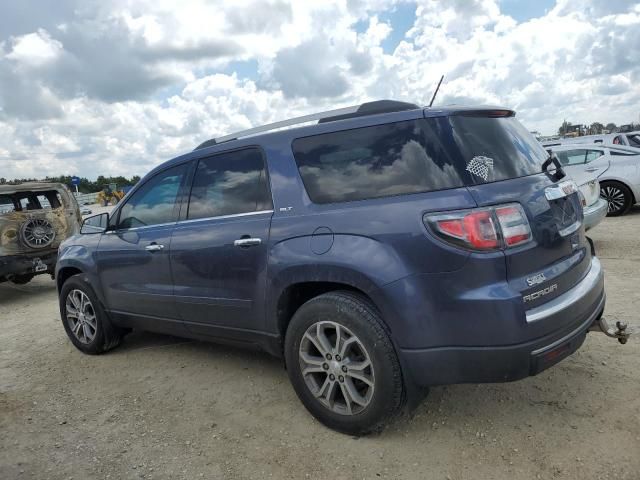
point(85, 321)
point(342, 363)
point(618, 196)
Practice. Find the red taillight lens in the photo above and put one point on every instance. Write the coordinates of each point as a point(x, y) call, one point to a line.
point(483, 228)
point(453, 227)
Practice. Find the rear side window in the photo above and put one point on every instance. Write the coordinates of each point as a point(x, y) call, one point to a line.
point(578, 156)
point(229, 184)
point(6, 204)
point(592, 155)
point(634, 140)
point(571, 157)
point(415, 156)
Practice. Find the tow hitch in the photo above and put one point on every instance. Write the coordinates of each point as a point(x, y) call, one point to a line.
point(620, 331)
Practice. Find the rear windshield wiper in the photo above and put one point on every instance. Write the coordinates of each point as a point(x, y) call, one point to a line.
point(553, 158)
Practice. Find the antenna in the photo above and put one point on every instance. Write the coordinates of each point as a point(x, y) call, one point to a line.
point(436, 92)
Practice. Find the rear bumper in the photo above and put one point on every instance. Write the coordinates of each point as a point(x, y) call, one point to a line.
point(25, 264)
point(583, 305)
point(594, 214)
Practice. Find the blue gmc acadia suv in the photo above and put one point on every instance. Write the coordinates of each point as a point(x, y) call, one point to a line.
point(380, 250)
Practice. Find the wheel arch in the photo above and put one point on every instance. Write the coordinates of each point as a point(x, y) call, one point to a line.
point(296, 287)
point(64, 274)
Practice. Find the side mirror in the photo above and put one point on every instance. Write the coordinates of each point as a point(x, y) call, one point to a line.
point(95, 224)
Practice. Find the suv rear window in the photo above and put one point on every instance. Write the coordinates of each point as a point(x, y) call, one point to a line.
point(415, 156)
point(26, 201)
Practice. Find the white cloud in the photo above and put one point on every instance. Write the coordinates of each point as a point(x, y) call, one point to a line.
point(115, 88)
point(34, 49)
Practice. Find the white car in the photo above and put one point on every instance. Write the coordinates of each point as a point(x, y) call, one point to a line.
point(616, 168)
point(594, 206)
point(627, 139)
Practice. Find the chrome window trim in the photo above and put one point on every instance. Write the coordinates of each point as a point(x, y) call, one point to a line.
point(568, 298)
point(234, 215)
point(142, 227)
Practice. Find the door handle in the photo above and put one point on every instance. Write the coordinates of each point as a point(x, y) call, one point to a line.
point(247, 242)
point(591, 169)
point(154, 247)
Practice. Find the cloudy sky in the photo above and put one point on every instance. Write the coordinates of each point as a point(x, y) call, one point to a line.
point(91, 87)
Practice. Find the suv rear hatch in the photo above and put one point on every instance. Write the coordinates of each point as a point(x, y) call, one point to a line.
point(504, 165)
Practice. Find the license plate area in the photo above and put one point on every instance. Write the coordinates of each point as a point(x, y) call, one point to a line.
point(565, 206)
point(38, 266)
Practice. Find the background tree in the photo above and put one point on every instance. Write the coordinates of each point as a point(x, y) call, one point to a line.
point(564, 128)
point(596, 128)
point(86, 185)
point(611, 127)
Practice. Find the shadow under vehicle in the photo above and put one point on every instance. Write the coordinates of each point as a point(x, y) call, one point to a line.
point(34, 219)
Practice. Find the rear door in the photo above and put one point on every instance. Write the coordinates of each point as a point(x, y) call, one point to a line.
point(219, 248)
point(584, 164)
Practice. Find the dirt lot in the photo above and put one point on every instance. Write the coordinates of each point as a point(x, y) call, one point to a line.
point(161, 407)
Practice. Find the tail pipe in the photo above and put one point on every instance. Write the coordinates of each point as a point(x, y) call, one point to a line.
point(620, 331)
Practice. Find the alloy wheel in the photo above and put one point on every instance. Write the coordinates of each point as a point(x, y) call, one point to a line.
point(81, 316)
point(336, 368)
point(614, 197)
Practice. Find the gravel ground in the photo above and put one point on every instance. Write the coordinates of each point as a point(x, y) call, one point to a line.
point(162, 407)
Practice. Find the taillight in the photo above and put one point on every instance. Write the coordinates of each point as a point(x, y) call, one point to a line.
point(514, 225)
point(490, 228)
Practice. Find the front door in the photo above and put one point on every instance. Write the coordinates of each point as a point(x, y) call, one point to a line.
point(133, 256)
point(219, 250)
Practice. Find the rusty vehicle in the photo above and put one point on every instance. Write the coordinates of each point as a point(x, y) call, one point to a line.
point(34, 219)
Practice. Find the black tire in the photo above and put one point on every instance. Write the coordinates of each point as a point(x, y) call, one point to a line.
point(358, 317)
point(618, 196)
point(107, 336)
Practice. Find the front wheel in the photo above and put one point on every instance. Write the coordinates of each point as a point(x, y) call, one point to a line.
point(342, 363)
point(618, 196)
point(85, 321)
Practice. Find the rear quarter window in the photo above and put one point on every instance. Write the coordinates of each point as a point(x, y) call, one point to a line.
point(6, 204)
point(415, 156)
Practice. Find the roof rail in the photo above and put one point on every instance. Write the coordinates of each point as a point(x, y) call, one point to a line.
point(368, 108)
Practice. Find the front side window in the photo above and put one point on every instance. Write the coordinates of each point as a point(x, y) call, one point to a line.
point(592, 155)
point(228, 184)
point(154, 202)
point(415, 156)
